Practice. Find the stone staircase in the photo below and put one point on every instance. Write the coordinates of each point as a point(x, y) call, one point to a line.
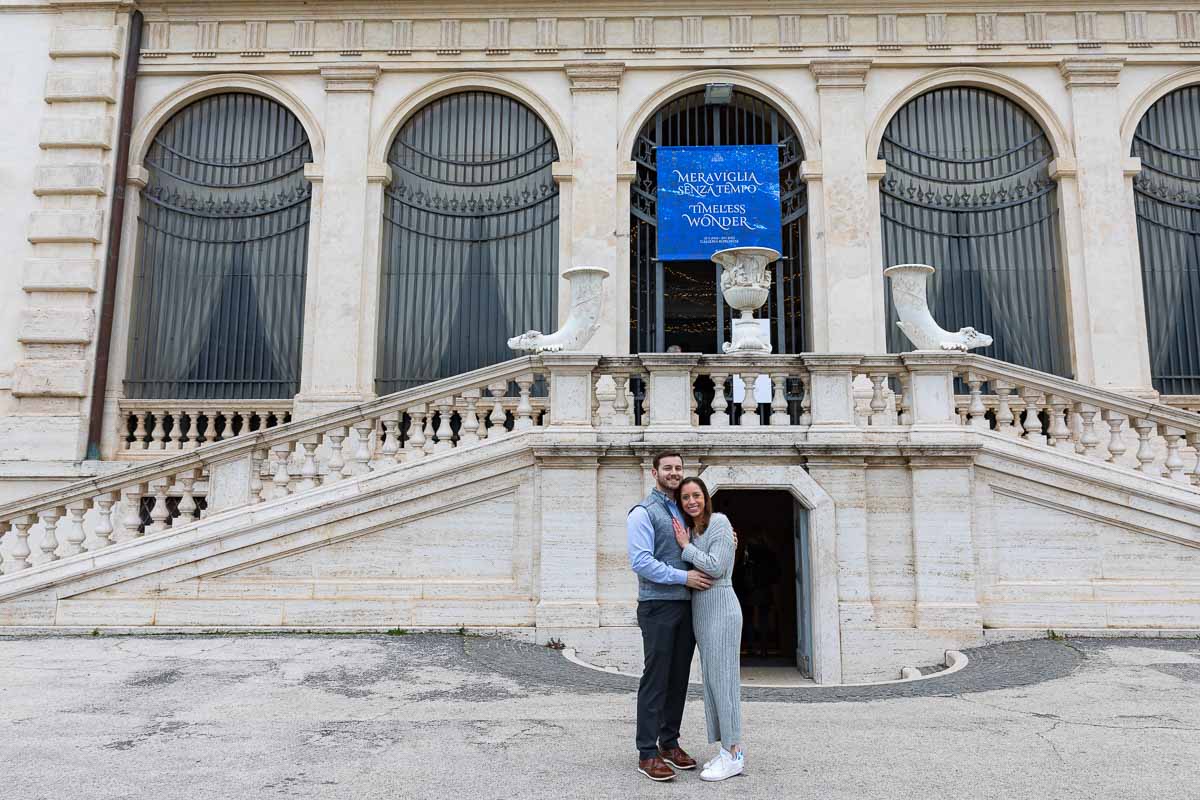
point(497, 499)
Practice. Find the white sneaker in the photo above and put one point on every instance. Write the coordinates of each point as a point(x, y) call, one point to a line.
point(725, 766)
point(712, 760)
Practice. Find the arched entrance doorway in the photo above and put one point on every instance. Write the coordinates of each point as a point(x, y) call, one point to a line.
point(1167, 199)
point(678, 303)
point(470, 238)
point(968, 190)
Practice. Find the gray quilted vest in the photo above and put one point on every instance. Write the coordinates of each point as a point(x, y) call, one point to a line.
point(666, 549)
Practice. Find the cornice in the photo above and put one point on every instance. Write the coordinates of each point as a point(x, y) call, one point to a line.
point(357, 78)
point(595, 76)
point(840, 73)
point(1092, 71)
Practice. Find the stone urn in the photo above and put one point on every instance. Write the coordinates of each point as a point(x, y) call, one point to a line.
point(910, 299)
point(746, 285)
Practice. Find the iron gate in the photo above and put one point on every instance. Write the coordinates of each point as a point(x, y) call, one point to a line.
point(968, 191)
point(218, 298)
point(679, 302)
point(470, 238)
point(1167, 199)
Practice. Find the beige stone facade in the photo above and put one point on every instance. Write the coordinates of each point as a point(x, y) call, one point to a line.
point(910, 519)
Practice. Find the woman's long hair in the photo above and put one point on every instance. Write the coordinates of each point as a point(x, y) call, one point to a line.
point(700, 523)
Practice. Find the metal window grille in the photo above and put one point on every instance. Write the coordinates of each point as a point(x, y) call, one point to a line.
point(218, 301)
point(470, 238)
point(1167, 200)
point(968, 191)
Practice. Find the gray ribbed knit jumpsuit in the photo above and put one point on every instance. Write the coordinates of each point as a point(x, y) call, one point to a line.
point(717, 621)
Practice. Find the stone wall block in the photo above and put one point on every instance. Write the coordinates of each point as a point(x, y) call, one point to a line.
point(60, 274)
point(57, 325)
point(71, 87)
point(70, 179)
point(86, 41)
point(77, 132)
point(50, 378)
point(66, 226)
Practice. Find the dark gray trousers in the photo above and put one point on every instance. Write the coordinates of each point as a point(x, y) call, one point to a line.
point(668, 644)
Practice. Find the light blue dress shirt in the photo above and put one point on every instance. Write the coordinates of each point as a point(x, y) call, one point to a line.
point(640, 535)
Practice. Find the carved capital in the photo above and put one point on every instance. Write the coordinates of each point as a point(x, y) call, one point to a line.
point(1092, 71)
point(350, 79)
point(595, 76)
point(840, 73)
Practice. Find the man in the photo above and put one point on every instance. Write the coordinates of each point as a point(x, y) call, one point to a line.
point(665, 617)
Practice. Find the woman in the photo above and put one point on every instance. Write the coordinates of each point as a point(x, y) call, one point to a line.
point(708, 544)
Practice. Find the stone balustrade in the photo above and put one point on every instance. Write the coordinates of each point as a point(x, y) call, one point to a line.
point(150, 428)
point(809, 400)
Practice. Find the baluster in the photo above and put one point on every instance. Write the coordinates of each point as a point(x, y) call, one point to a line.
point(1116, 443)
point(132, 501)
point(524, 414)
point(878, 400)
point(49, 545)
point(1145, 453)
point(389, 453)
point(1004, 414)
point(749, 401)
point(123, 433)
point(445, 434)
point(1032, 423)
point(1193, 440)
point(904, 413)
point(139, 431)
point(156, 431)
point(961, 406)
point(282, 452)
point(806, 399)
point(187, 500)
point(178, 439)
point(104, 524)
point(1060, 434)
point(976, 410)
point(195, 436)
point(210, 429)
point(159, 513)
point(308, 467)
point(363, 429)
point(416, 432)
point(468, 433)
point(335, 463)
point(257, 495)
point(694, 403)
point(73, 541)
point(1089, 440)
point(20, 549)
point(779, 409)
point(621, 414)
point(497, 417)
point(645, 403)
point(1174, 463)
point(720, 405)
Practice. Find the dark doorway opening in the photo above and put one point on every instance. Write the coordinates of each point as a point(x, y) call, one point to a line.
point(769, 576)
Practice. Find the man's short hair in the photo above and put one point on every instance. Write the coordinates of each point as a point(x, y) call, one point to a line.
point(660, 456)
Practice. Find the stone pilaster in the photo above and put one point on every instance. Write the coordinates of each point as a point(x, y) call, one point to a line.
point(593, 192)
point(68, 234)
point(337, 367)
point(845, 481)
point(1111, 347)
point(848, 284)
point(569, 523)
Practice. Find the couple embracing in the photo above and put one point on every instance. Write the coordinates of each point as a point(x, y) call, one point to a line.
point(683, 555)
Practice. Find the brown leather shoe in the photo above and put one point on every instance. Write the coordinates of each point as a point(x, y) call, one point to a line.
point(677, 758)
point(656, 769)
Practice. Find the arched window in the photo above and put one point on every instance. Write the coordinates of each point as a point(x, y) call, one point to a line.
point(1167, 198)
point(470, 238)
point(968, 191)
point(678, 302)
point(218, 297)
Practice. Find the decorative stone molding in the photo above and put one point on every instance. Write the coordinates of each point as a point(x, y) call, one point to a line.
point(985, 32)
point(547, 36)
point(497, 36)
point(402, 38)
point(886, 32)
point(643, 34)
point(304, 37)
point(693, 35)
point(350, 79)
point(598, 76)
point(451, 40)
point(86, 41)
point(81, 87)
point(741, 33)
point(60, 275)
point(837, 73)
point(156, 39)
point(594, 35)
point(1092, 71)
point(935, 32)
point(1035, 30)
point(1135, 29)
point(790, 35)
point(256, 39)
point(206, 40)
point(1187, 28)
point(85, 178)
point(352, 37)
point(838, 30)
point(1085, 29)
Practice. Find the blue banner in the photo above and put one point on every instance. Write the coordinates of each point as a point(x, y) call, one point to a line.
point(711, 198)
